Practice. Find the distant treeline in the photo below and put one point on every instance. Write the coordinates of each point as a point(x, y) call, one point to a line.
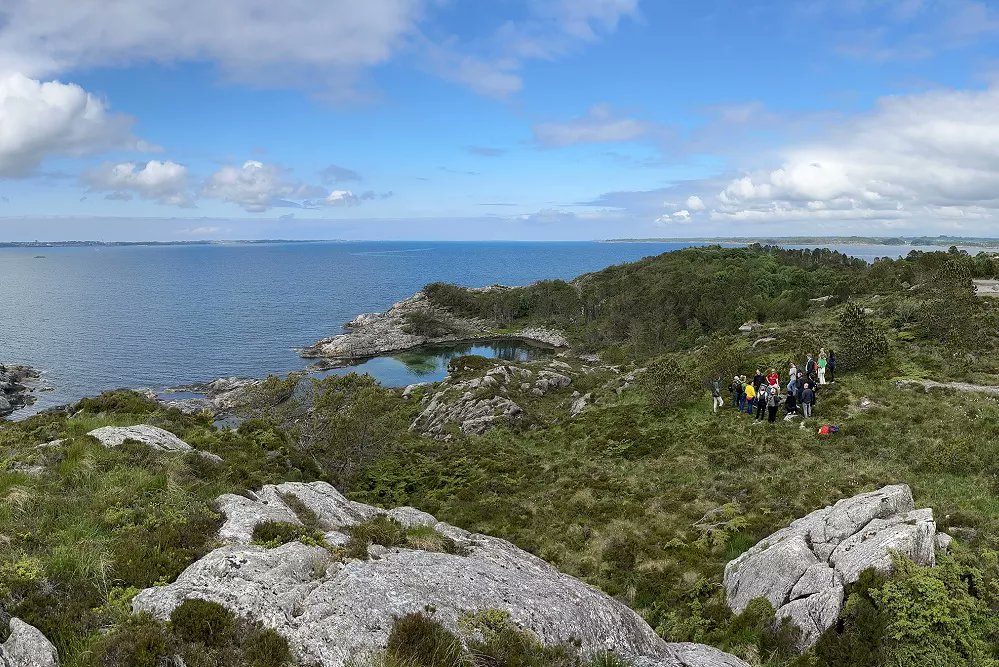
point(666, 302)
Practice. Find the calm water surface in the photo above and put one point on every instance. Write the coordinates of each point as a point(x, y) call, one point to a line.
point(100, 318)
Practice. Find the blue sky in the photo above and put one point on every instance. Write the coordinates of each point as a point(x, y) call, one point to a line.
point(509, 119)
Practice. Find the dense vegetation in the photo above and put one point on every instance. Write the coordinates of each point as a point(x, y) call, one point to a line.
point(647, 495)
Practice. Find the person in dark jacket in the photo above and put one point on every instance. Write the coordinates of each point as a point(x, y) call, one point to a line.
point(761, 402)
point(790, 403)
point(716, 397)
point(773, 400)
point(735, 388)
point(758, 380)
point(807, 400)
point(831, 366)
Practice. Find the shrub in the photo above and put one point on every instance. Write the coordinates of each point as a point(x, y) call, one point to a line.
point(264, 647)
point(669, 382)
point(379, 529)
point(203, 622)
point(273, 534)
point(419, 641)
point(119, 401)
point(140, 642)
point(426, 538)
point(863, 343)
point(426, 323)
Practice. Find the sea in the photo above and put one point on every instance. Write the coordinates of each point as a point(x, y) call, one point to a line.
point(98, 318)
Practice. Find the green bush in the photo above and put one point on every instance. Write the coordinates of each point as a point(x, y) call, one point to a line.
point(120, 401)
point(264, 647)
point(669, 382)
point(863, 342)
point(203, 622)
point(419, 641)
point(273, 534)
point(427, 324)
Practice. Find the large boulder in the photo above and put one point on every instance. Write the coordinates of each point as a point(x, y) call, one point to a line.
point(151, 436)
point(333, 611)
point(27, 647)
point(802, 569)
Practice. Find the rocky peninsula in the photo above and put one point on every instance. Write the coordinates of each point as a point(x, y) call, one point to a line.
point(417, 322)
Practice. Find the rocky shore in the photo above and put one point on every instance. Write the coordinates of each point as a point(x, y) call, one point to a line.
point(17, 385)
point(416, 322)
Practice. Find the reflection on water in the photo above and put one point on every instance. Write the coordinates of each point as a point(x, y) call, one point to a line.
point(430, 364)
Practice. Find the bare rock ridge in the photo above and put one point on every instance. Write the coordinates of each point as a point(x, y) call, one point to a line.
point(373, 334)
point(802, 569)
point(151, 436)
point(17, 383)
point(27, 647)
point(332, 612)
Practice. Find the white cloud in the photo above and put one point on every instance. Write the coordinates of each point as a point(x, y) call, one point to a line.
point(164, 182)
point(552, 28)
point(256, 187)
point(250, 40)
point(42, 119)
point(919, 157)
point(599, 125)
point(695, 203)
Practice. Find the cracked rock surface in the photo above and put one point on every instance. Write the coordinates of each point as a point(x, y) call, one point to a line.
point(27, 647)
point(802, 569)
point(332, 612)
point(151, 436)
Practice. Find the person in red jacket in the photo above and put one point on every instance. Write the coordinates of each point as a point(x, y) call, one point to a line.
point(773, 379)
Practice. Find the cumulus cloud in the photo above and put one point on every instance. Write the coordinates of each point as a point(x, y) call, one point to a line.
point(600, 125)
point(250, 40)
point(922, 157)
point(163, 182)
point(41, 119)
point(256, 187)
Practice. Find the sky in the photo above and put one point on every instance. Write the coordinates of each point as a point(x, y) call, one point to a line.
point(497, 119)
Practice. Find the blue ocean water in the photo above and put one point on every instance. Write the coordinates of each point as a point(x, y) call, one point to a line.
point(158, 316)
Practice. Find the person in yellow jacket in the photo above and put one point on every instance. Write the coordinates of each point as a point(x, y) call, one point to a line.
point(750, 398)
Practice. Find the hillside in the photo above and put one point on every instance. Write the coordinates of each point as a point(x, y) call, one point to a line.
point(642, 491)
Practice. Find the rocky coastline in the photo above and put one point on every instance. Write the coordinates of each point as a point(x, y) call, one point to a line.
point(399, 329)
point(17, 387)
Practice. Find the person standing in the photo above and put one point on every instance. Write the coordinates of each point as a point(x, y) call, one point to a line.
point(716, 397)
point(750, 399)
point(792, 372)
point(822, 367)
point(742, 393)
point(831, 366)
point(772, 401)
point(807, 400)
point(734, 389)
point(790, 404)
point(773, 379)
point(758, 380)
point(761, 403)
point(809, 366)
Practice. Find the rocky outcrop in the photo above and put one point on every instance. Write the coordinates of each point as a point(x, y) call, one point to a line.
point(17, 385)
point(27, 647)
point(375, 334)
point(476, 404)
point(966, 387)
point(151, 436)
point(802, 569)
point(333, 612)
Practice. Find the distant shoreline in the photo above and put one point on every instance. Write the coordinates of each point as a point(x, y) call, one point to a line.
point(936, 241)
point(933, 241)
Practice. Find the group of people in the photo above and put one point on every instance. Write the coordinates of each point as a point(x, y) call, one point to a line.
point(764, 394)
